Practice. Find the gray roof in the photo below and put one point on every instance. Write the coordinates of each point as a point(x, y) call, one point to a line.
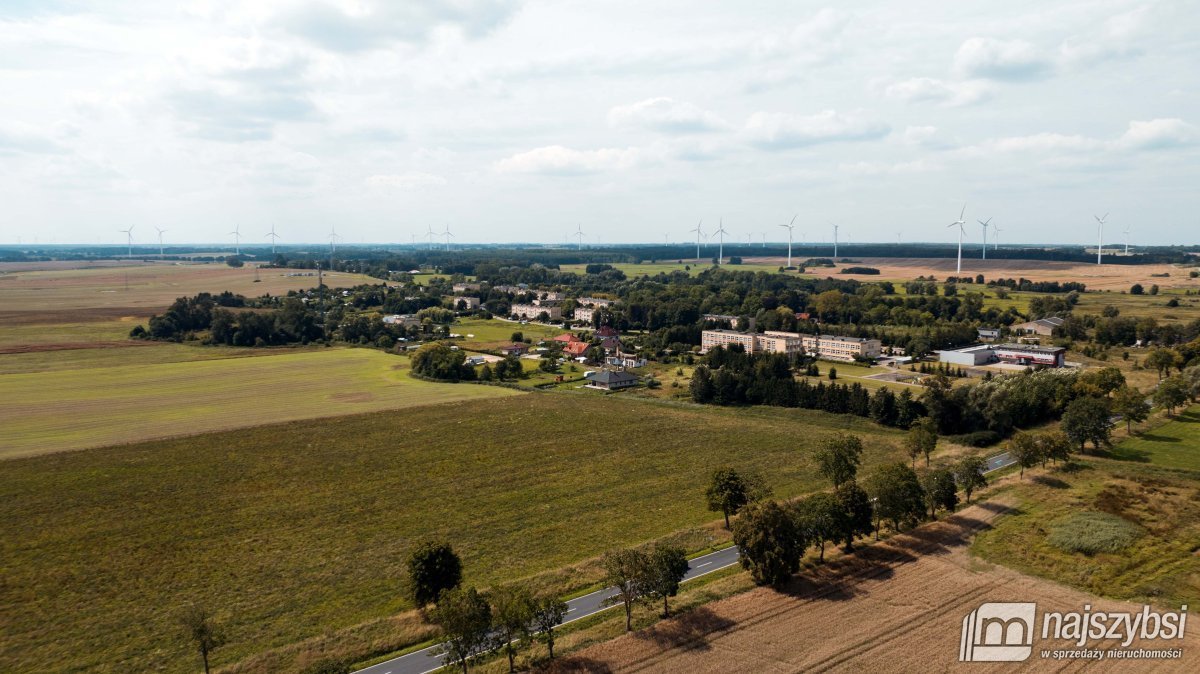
point(611, 377)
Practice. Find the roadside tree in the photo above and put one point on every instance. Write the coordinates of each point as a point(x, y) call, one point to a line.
point(433, 568)
point(770, 541)
point(466, 621)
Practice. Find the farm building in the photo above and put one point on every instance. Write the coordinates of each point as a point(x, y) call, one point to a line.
point(1015, 354)
point(1042, 326)
point(979, 354)
point(988, 333)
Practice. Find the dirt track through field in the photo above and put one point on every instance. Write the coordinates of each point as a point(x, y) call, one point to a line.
point(897, 606)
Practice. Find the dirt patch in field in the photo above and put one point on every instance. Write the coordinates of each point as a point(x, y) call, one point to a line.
point(1102, 277)
point(355, 397)
point(898, 606)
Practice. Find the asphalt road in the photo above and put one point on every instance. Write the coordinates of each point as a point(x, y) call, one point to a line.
point(430, 659)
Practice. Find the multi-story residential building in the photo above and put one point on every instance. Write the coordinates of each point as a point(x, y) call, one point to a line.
point(828, 347)
point(466, 287)
point(711, 339)
point(594, 302)
point(530, 312)
point(584, 314)
point(470, 303)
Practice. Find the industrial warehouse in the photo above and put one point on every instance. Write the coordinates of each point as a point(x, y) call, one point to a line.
point(1014, 354)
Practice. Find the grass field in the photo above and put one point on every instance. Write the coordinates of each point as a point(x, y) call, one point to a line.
point(1174, 444)
point(59, 410)
point(1160, 567)
point(493, 333)
point(297, 530)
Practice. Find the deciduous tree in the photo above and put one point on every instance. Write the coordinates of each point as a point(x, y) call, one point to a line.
point(513, 618)
point(770, 542)
point(466, 621)
point(548, 613)
point(968, 473)
point(625, 570)
point(1130, 403)
point(1086, 419)
point(202, 630)
point(433, 568)
point(666, 565)
point(897, 494)
point(729, 491)
point(838, 458)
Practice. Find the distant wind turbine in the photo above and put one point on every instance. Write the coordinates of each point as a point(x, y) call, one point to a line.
point(237, 239)
point(579, 235)
point(160, 243)
point(721, 249)
point(1126, 233)
point(448, 236)
point(128, 239)
point(272, 236)
point(835, 240)
point(791, 226)
point(959, 223)
point(996, 236)
point(1100, 238)
point(430, 235)
point(985, 224)
point(699, 233)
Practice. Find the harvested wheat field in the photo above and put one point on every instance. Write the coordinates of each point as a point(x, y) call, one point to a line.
point(898, 606)
point(1102, 277)
point(103, 293)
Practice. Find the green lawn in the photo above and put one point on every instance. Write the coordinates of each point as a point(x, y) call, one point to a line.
point(1175, 444)
point(297, 530)
point(491, 333)
point(73, 409)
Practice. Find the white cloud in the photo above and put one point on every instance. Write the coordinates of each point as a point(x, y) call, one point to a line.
point(783, 131)
point(24, 138)
point(1001, 59)
point(928, 89)
point(1158, 134)
point(559, 160)
point(372, 24)
point(411, 180)
point(666, 115)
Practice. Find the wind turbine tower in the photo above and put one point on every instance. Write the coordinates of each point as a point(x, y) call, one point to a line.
point(128, 240)
point(430, 235)
point(237, 239)
point(996, 236)
point(1126, 233)
point(721, 248)
point(699, 233)
point(579, 235)
point(272, 236)
point(790, 227)
point(160, 243)
point(961, 231)
point(835, 240)
point(985, 224)
point(1100, 238)
point(448, 236)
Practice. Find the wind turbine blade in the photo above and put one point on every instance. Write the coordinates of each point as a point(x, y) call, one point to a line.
point(793, 220)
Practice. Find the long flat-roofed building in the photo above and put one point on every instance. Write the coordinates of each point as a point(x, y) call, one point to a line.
point(828, 347)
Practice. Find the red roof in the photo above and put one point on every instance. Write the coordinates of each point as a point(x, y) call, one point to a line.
point(576, 348)
point(606, 331)
point(567, 338)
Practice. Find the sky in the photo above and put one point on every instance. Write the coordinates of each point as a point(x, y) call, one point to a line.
point(632, 121)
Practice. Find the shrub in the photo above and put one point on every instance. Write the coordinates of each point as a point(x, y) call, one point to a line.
point(871, 271)
point(1090, 532)
point(976, 439)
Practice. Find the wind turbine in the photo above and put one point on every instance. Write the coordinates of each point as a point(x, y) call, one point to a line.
point(959, 223)
point(160, 244)
point(579, 235)
point(835, 233)
point(985, 224)
point(1126, 233)
point(237, 239)
point(1100, 238)
point(272, 236)
point(448, 236)
point(699, 233)
point(128, 239)
point(996, 236)
point(721, 249)
point(430, 235)
point(790, 227)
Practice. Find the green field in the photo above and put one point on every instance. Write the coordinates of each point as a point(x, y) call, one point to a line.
point(1154, 484)
point(492, 333)
point(1144, 306)
point(1174, 444)
point(59, 410)
point(298, 530)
